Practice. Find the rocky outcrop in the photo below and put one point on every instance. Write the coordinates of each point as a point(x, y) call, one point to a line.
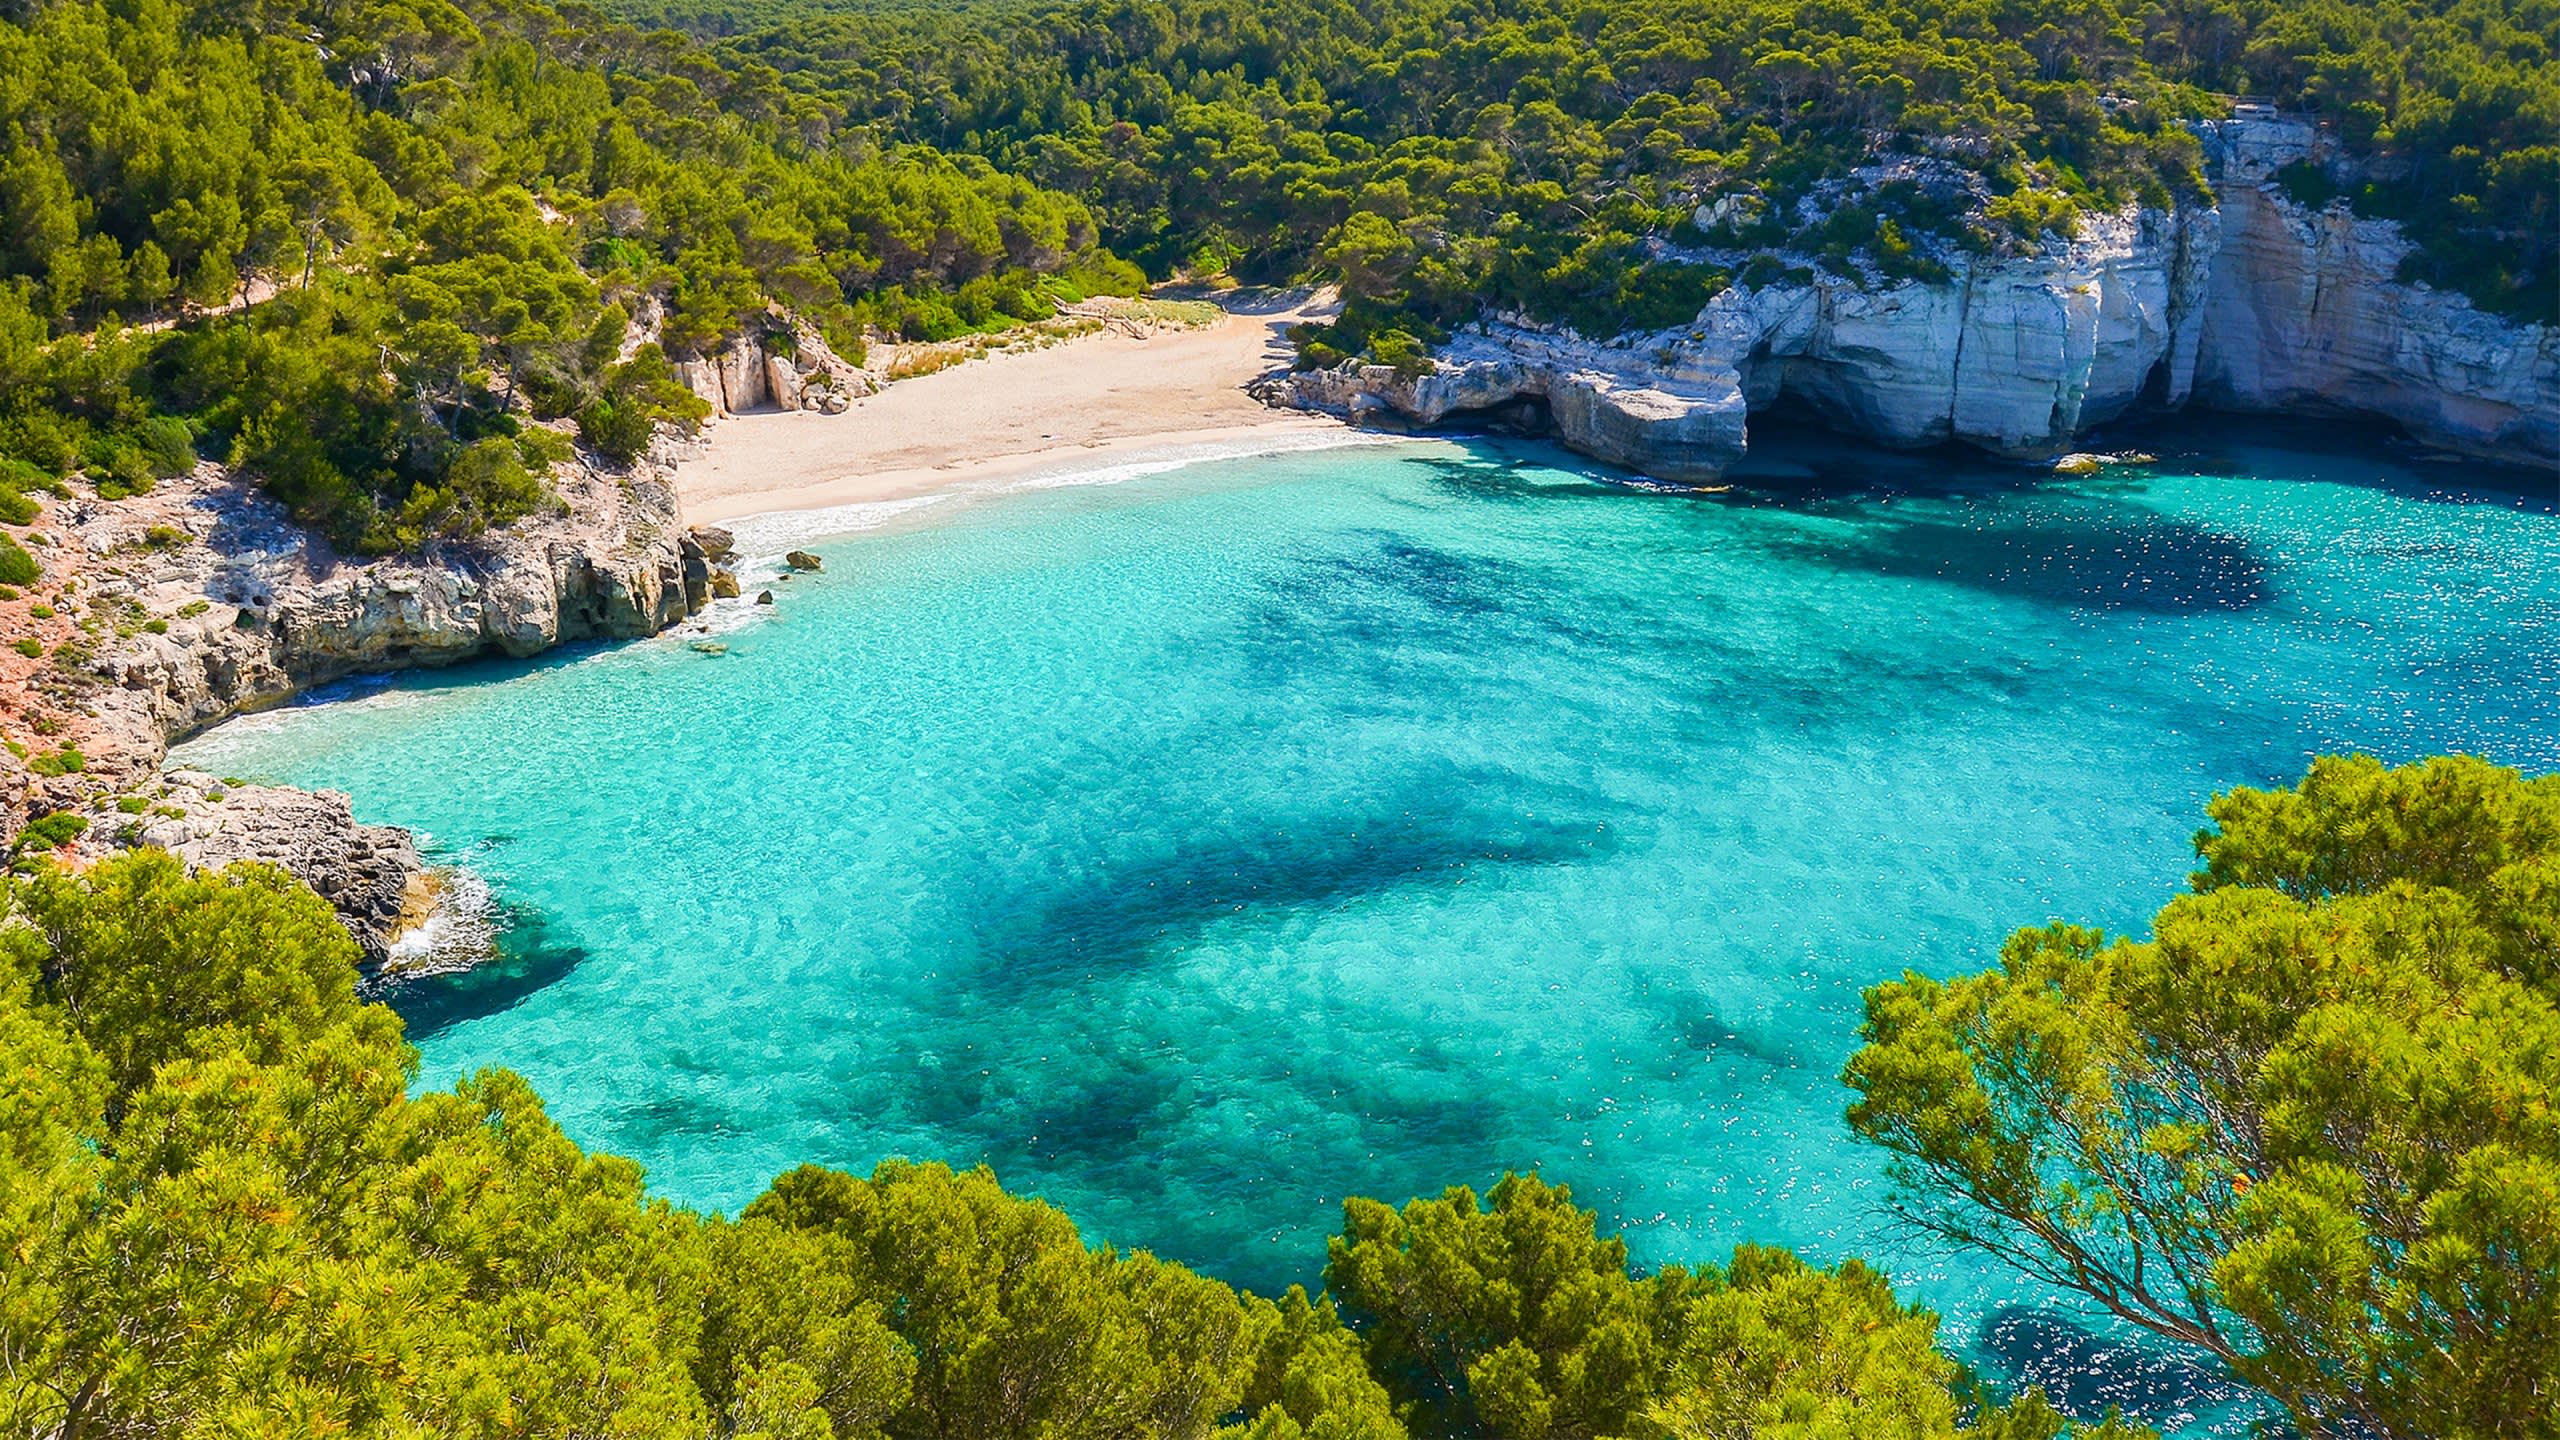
point(2304, 311)
point(2250, 303)
point(373, 874)
point(275, 610)
point(210, 600)
point(789, 367)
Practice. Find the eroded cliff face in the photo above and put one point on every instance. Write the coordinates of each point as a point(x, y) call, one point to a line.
point(2303, 312)
point(756, 372)
point(2250, 303)
point(203, 599)
point(286, 613)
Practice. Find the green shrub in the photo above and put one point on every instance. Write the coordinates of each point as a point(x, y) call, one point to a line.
point(17, 567)
point(619, 431)
point(2030, 213)
point(1400, 350)
point(2307, 184)
point(27, 645)
point(639, 395)
point(65, 761)
point(53, 831)
point(167, 445)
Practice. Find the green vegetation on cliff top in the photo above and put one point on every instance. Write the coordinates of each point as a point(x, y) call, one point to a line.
point(475, 214)
point(1552, 155)
point(462, 213)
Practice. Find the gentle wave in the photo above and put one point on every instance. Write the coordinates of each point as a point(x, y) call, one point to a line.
point(765, 537)
point(461, 932)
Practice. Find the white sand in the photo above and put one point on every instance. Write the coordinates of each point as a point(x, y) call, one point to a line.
point(1088, 401)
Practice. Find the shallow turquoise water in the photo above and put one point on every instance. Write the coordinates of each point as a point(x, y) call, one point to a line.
point(1200, 849)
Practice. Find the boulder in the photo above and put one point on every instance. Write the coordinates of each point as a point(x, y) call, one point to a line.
point(782, 381)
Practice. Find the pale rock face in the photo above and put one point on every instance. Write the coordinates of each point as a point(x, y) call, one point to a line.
point(2305, 312)
point(2247, 305)
point(742, 378)
point(283, 612)
point(782, 381)
point(746, 374)
point(702, 377)
point(373, 874)
point(276, 611)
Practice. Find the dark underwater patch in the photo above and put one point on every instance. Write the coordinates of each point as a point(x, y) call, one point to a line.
point(650, 1123)
point(2093, 555)
point(1106, 912)
point(2084, 1373)
point(530, 956)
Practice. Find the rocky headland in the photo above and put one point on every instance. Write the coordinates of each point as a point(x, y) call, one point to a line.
point(164, 613)
point(2245, 302)
point(169, 611)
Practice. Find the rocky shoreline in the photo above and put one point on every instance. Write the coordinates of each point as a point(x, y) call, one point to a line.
point(203, 599)
point(2248, 302)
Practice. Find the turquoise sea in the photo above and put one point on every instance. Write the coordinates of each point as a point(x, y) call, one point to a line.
point(1201, 848)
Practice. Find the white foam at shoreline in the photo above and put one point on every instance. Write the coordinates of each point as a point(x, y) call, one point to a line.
point(459, 933)
point(763, 537)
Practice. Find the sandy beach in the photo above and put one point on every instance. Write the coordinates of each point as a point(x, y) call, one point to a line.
point(1091, 400)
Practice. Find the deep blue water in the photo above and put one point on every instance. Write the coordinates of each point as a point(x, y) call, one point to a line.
point(1200, 849)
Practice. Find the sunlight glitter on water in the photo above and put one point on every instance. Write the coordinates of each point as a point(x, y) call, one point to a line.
point(1200, 849)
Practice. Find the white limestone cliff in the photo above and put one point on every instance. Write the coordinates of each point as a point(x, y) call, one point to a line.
point(2246, 303)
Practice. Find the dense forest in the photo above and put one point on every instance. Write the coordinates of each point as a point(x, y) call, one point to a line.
point(365, 251)
point(448, 222)
point(1560, 157)
point(2306, 1130)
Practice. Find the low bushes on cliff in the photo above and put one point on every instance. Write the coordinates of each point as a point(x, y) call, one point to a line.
point(1556, 156)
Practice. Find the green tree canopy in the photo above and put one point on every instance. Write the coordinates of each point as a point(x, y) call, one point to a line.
point(222, 1212)
point(2309, 1127)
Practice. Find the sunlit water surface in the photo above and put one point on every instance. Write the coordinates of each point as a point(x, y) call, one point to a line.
point(1201, 849)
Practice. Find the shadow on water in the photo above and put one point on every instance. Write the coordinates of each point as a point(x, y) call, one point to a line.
point(466, 675)
point(2085, 1373)
point(1138, 898)
point(2335, 450)
point(529, 957)
point(2094, 555)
